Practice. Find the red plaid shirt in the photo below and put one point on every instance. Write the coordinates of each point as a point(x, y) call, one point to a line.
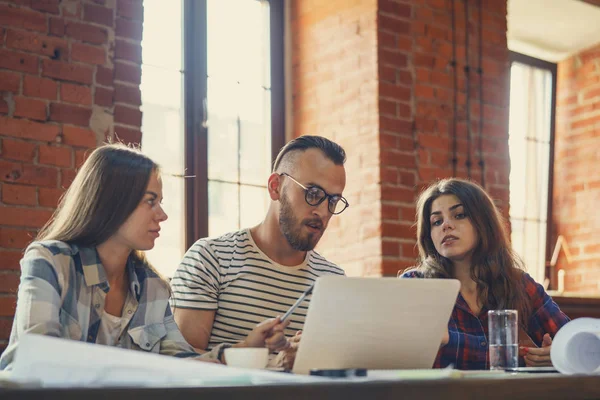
point(468, 344)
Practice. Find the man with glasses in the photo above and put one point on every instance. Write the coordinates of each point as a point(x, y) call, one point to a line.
point(224, 287)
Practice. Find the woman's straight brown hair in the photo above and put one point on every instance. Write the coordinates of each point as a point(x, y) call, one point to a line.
point(495, 268)
point(106, 190)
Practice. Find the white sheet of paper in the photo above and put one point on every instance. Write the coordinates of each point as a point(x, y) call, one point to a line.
point(576, 347)
point(53, 362)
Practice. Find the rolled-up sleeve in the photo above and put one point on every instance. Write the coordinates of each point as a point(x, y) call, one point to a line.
point(174, 344)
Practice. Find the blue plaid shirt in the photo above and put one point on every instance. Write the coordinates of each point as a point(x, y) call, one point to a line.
point(62, 293)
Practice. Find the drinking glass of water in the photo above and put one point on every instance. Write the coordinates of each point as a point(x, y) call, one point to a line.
point(503, 333)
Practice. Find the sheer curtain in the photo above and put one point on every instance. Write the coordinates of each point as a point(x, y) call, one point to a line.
point(529, 144)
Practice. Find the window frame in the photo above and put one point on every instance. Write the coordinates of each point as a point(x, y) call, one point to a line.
point(195, 87)
point(551, 236)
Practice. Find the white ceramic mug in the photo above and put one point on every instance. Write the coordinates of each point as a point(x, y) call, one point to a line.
point(247, 357)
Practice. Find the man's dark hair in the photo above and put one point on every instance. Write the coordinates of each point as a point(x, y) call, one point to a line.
point(332, 151)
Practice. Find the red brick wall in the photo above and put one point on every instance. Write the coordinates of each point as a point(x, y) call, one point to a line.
point(69, 77)
point(576, 186)
point(335, 89)
point(416, 80)
point(412, 128)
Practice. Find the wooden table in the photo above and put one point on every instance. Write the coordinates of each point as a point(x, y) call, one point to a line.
point(543, 386)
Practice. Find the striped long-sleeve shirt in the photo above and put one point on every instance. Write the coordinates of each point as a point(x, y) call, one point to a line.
point(232, 276)
point(62, 293)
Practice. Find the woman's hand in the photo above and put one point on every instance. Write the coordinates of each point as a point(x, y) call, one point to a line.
point(539, 357)
point(268, 333)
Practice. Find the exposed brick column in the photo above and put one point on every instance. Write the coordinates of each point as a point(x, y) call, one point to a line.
point(334, 51)
point(69, 77)
point(576, 180)
point(397, 103)
point(416, 109)
point(409, 128)
point(128, 73)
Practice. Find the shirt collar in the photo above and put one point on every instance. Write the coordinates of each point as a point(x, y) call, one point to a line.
point(95, 275)
point(132, 270)
point(462, 303)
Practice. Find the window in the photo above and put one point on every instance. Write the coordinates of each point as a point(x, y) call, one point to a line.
point(238, 113)
point(213, 111)
point(163, 121)
point(531, 145)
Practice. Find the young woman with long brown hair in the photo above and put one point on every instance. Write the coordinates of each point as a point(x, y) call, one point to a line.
point(461, 235)
point(86, 278)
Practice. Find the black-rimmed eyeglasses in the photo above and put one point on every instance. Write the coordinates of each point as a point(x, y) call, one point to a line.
point(314, 196)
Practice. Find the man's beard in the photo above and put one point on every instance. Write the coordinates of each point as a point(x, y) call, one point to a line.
point(292, 228)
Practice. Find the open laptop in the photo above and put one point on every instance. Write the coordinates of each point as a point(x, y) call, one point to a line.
point(375, 323)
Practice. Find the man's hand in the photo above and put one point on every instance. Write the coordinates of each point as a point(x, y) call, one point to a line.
point(268, 333)
point(286, 357)
point(277, 340)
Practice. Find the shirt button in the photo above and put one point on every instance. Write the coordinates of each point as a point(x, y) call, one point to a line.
point(148, 345)
point(97, 305)
point(483, 344)
point(129, 312)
